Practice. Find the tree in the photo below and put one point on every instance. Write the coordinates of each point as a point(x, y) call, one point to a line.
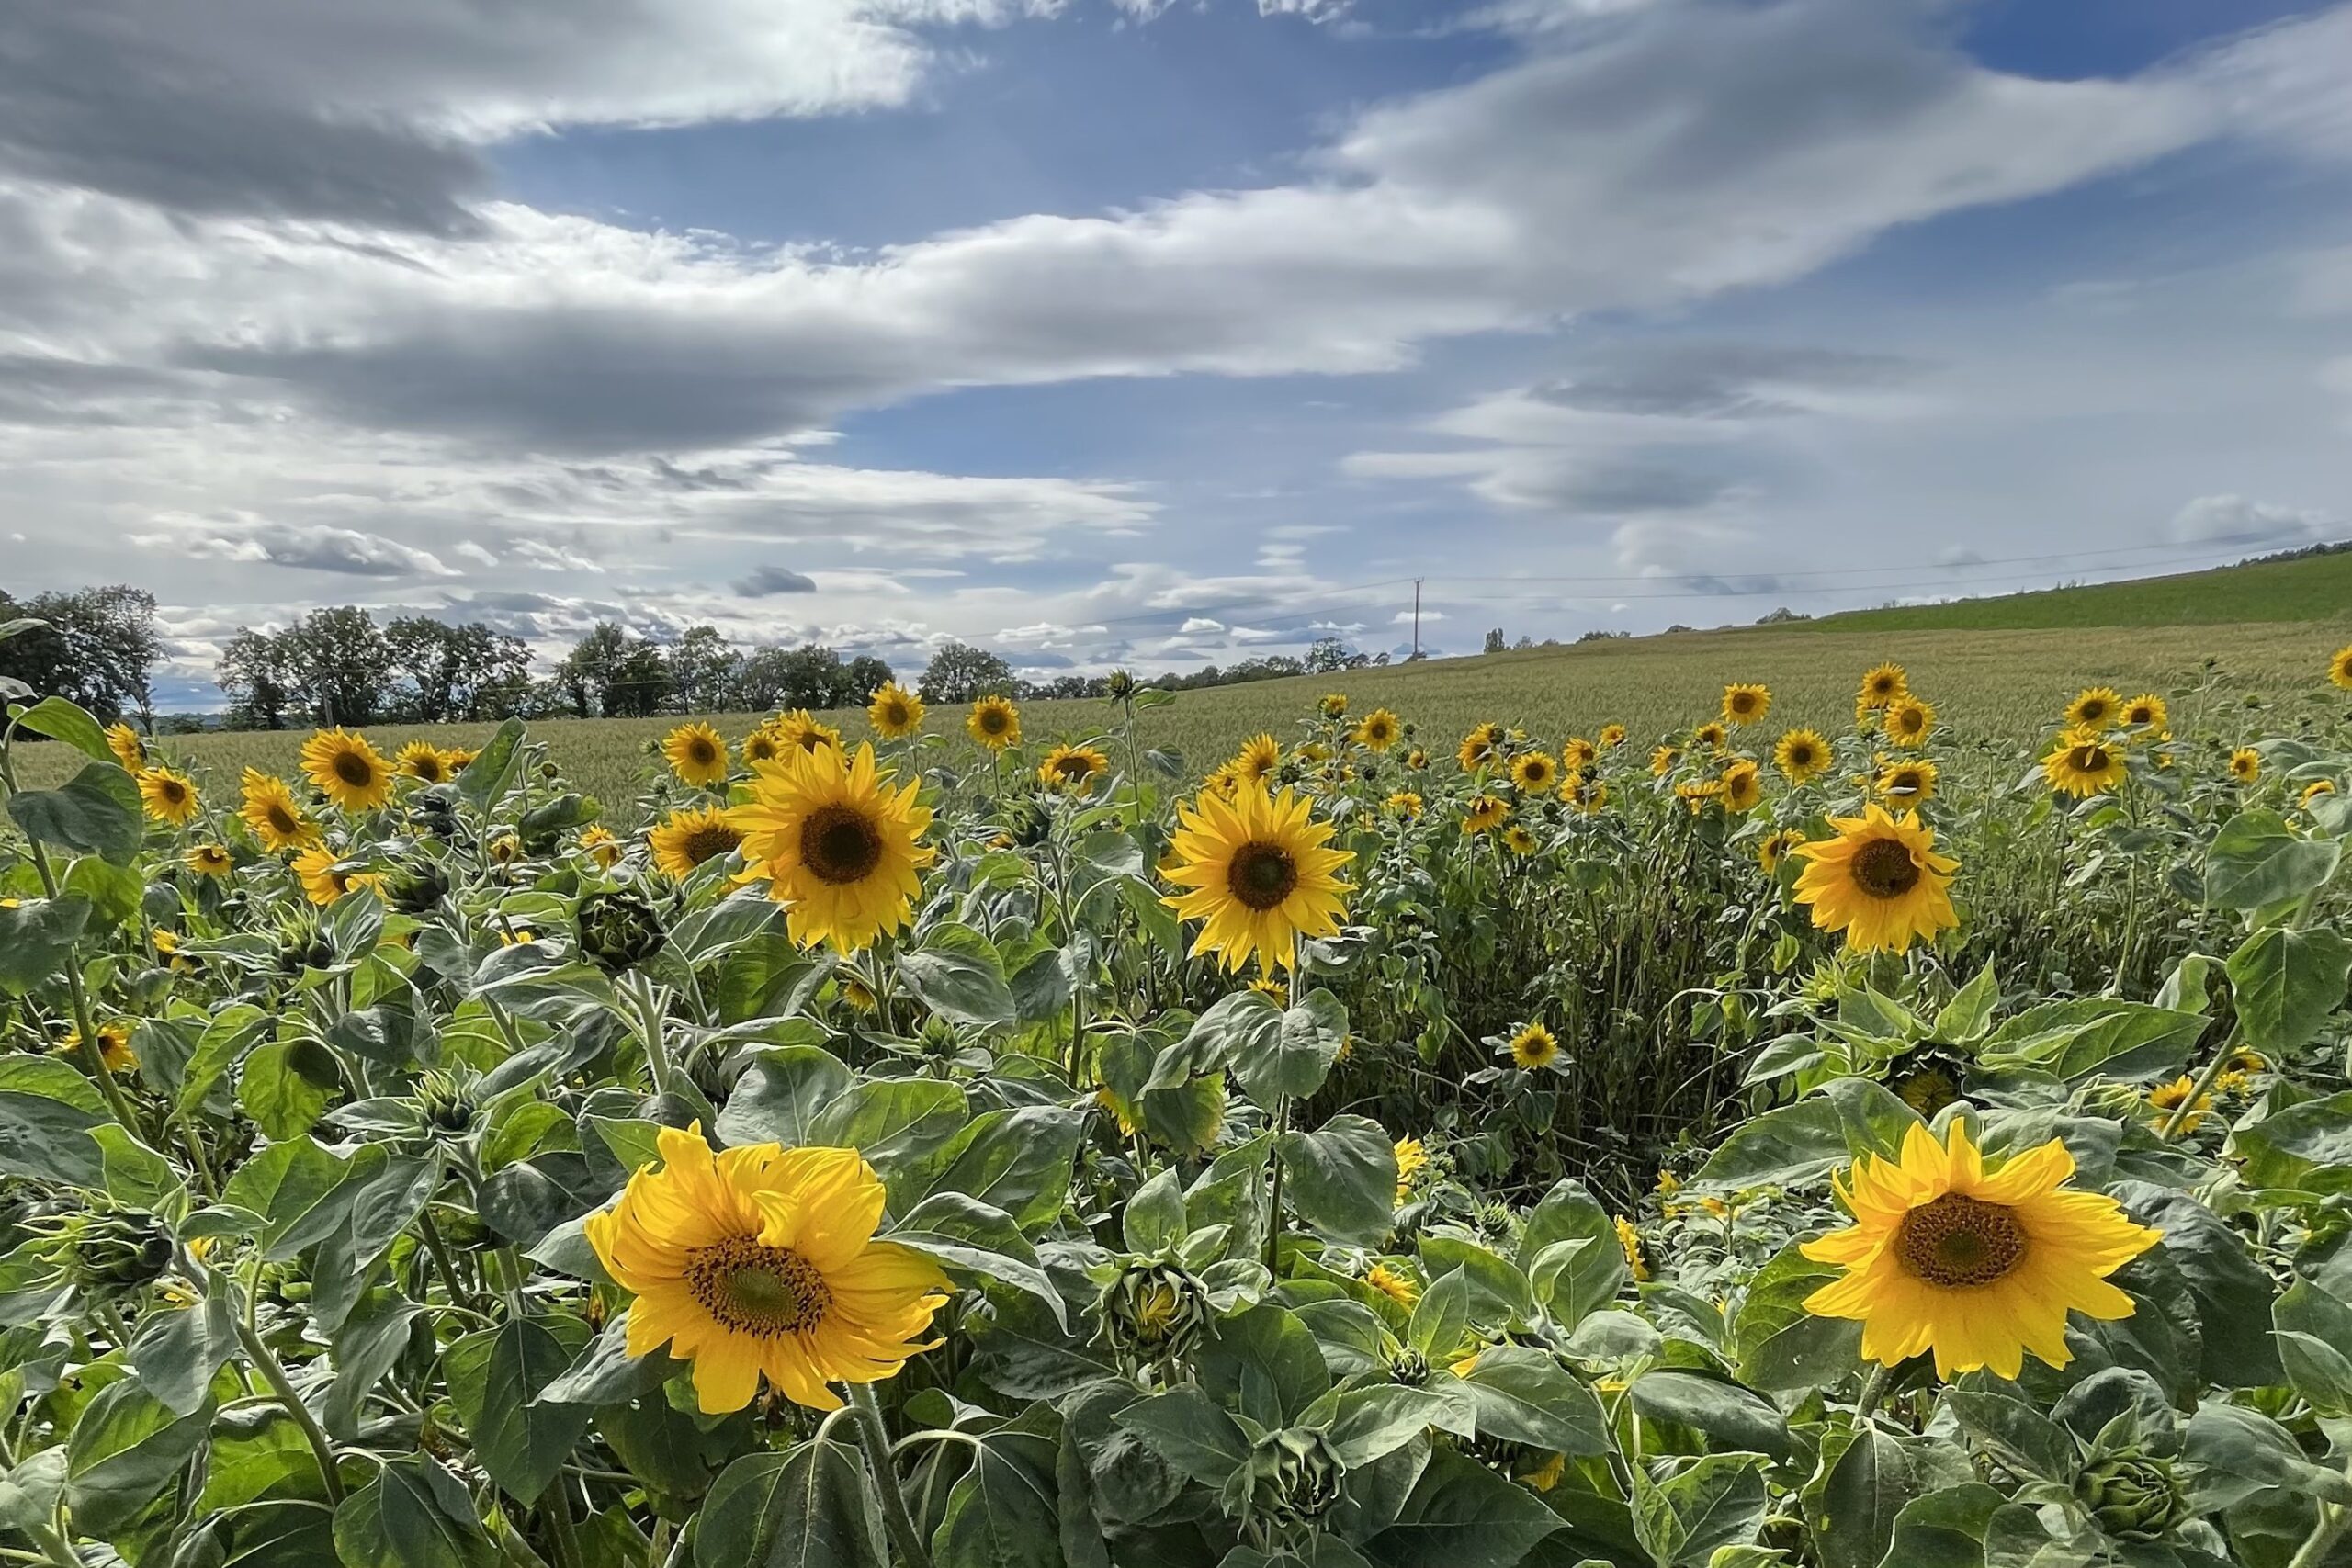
point(586, 673)
point(336, 660)
point(1326, 654)
point(700, 666)
point(96, 649)
point(250, 672)
point(813, 678)
point(1495, 642)
point(959, 673)
point(419, 649)
point(862, 677)
point(640, 682)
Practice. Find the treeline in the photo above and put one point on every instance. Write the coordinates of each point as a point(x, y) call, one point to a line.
point(96, 646)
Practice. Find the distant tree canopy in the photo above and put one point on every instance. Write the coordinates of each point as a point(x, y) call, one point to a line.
point(959, 673)
point(98, 648)
point(337, 666)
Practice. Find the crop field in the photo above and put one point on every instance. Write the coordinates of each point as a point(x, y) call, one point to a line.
point(1777, 1099)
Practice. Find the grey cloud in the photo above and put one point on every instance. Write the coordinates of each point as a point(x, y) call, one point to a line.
point(764, 581)
point(2237, 520)
point(1720, 380)
point(304, 546)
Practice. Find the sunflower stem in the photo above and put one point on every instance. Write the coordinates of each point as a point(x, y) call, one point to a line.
point(274, 1374)
point(2186, 1112)
point(649, 1015)
point(2335, 1518)
point(875, 1438)
point(1874, 1382)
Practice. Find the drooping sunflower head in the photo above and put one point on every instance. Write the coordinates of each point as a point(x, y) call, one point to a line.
point(1908, 721)
point(2316, 789)
point(1696, 793)
point(1519, 840)
point(347, 769)
point(210, 860)
point(1533, 772)
point(1256, 762)
point(1907, 783)
point(2245, 765)
point(128, 749)
point(1395, 1283)
point(838, 845)
point(1334, 704)
point(1378, 729)
point(1775, 847)
point(326, 876)
point(2083, 765)
point(269, 809)
point(1879, 881)
point(1577, 753)
point(1258, 872)
point(687, 838)
point(2339, 668)
point(1978, 1266)
point(1412, 1159)
point(421, 761)
point(696, 754)
point(167, 796)
point(1800, 755)
point(2181, 1091)
point(1485, 813)
point(761, 1261)
point(1586, 794)
point(1880, 686)
point(1417, 759)
point(1072, 768)
point(605, 849)
point(2094, 707)
point(2146, 711)
point(1534, 1048)
point(1746, 702)
point(1478, 746)
point(1663, 761)
point(1743, 787)
point(505, 848)
point(761, 746)
point(802, 731)
point(1611, 737)
point(994, 722)
point(1636, 1250)
point(894, 712)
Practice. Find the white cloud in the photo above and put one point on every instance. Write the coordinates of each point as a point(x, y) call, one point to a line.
point(546, 557)
point(311, 548)
point(2235, 520)
point(1195, 626)
point(476, 553)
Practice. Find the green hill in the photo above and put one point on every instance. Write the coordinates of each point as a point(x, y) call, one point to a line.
point(2311, 588)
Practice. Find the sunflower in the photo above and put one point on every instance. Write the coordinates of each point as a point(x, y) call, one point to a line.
point(1477, 746)
point(2081, 766)
point(1743, 787)
point(1586, 794)
point(1256, 762)
point(1909, 720)
point(269, 810)
point(421, 761)
point(762, 1261)
point(1417, 759)
point(1629, 1241)
point(1696, 793)
point(1532, 1048)
point(1405, 804)
point(505, 848)
point(1257, 873)
point(801, 730)
point(2339, 667)
point(1801, 754)
point(1879, 881)
point(1577, 753)
point(128, 749)
point(696, 754)
point(1271, 989)
point(1517, 840)
point(994, 723)
point(210, 860)
point(1412, 1158)
point(894, 712)
point(167, 795)
point(1663, 759)
point(1776, 848)
point(1334, 704)
point(761, 745)
point(599, 843)
point(347, 769)
point(114, 1045)
point(2170, 1097)
point(2313, 790)
point(1746, 704)
point(837, 844)
point(1907, 783)
point(1712, 734)
point(2093, 707)
point(1378, 729)
point(1072, 767)
point(2245, 765)
point(324, 883)
point(1394, 1283)
point(1978, 1266)
point(1881, 688)
point(1485, 812)
point(1611, 737)
point(1534, 772)
point(2146, 711)
point(688, 838)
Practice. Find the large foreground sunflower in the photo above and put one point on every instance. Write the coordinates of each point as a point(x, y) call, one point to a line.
point(269, 810)
point(1378, 729)
point(1072, 767)
point(1879, 881)
point(688, 838)
point(349, 769)
point(696, 754)
point(2083, 765)
point(2094, 707)
point(1257, 873)
point(1802, 754)
point(1978, 1266)
point(167, 795)
point(759, 1260)
point(837, 844)
point(1746, 702)
point(894, 712)
point(994, 722)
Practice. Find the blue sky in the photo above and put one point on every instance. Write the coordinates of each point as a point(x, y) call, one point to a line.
point(1104, 332)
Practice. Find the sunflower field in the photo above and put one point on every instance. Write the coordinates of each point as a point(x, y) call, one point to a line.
point(1831, 1145)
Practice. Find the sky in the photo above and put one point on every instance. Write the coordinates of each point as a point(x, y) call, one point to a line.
point(1159, 334)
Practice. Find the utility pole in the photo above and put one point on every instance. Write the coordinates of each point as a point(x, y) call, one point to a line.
point(1417, 617)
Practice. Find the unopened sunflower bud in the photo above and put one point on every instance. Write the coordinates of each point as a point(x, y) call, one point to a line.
point(1409, 1367)
point(1296, 1474)
point(619, 930)
point(447, 1102)
point(414, 887)
point(1156, 1311)
point(107, 1254)
point(2132, 1497)
point(1119, 685)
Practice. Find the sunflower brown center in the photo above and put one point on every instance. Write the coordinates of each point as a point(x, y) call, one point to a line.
point(840, 844)
point(428, 769)
point(1262, 875)
point(173, 792)
point(354, 769)
point(701, 751)
point(713, 839)
point(1958, 1241)
point(1074, 768)
point(2088, 759)
point(282, 821)
point(894, 712)
point(1884, 869)
point(992, 720)
point(757, 1290)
